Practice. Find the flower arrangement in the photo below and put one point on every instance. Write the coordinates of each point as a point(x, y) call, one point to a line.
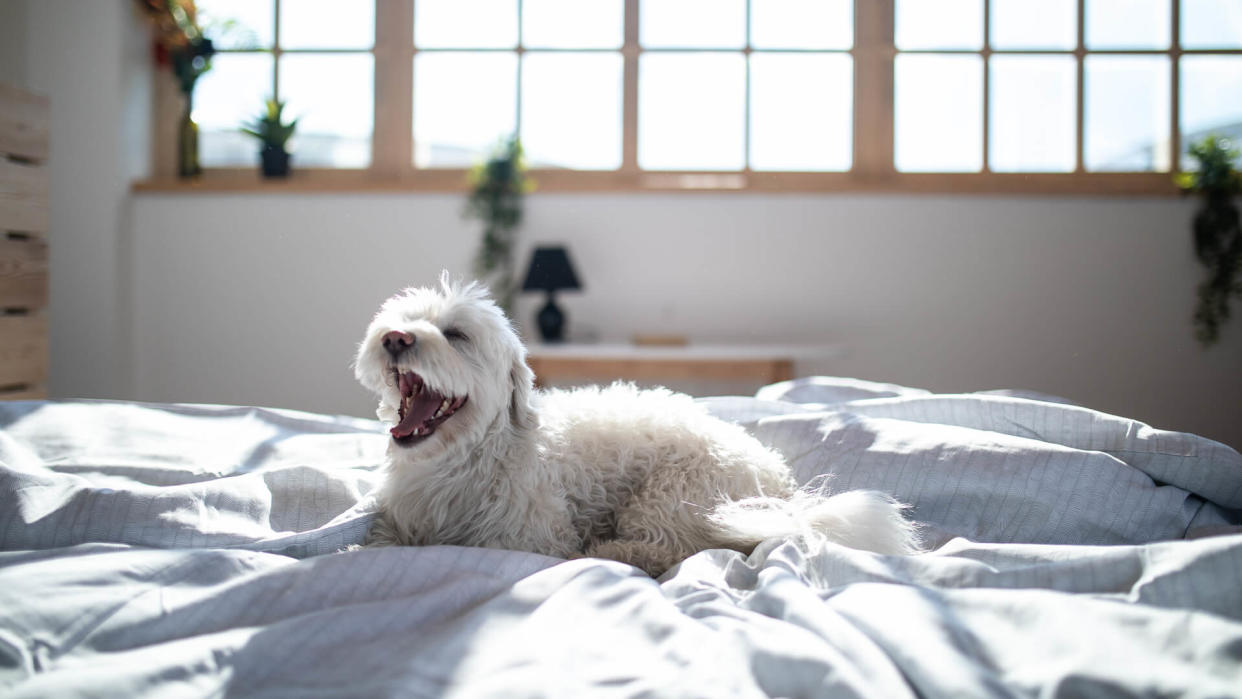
point(497, 188)
point(181, 44)
point(1217, 234)
point(179, 40)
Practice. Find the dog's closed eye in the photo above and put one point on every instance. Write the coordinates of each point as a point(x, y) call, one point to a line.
point(455, 335)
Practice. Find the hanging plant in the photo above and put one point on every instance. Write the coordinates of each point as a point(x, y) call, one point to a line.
point(1217, 236)
point(497, 188)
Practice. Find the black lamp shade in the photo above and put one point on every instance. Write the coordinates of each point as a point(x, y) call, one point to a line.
point(550, 270)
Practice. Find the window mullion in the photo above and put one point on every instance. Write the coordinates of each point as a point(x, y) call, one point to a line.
point(1175, 82)
point(747, 51)
point(986, 58)
point(520, 56)
point(1080, 61)
point(392, 147)
point(873, 87)
point(629, 103)
point(276, 51)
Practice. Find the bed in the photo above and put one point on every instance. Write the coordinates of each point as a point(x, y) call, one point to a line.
point(186, 550)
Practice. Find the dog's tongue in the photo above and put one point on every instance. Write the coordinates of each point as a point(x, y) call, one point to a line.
point(422, 407)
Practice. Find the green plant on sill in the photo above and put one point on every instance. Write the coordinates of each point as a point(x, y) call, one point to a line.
point(497, 188)
point(1217, 235)
point(270, 128)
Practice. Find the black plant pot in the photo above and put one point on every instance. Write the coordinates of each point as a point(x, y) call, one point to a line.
point(275, 161)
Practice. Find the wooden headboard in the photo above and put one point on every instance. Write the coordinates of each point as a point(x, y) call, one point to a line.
point(23, 244)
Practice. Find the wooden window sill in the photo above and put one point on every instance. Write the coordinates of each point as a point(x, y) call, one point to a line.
point(362, 181)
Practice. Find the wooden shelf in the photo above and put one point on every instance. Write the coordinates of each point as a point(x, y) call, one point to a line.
point(695, 362)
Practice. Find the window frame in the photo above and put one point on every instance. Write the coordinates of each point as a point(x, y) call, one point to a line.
point(873, 169)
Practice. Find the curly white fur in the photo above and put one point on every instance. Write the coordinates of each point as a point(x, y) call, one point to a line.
point(646, 477)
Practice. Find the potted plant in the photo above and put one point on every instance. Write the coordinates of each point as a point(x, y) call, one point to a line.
point(274, 134)
point(1217, 235)
point(497, 187)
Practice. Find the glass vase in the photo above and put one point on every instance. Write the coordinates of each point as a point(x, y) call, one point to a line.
point(187, 141)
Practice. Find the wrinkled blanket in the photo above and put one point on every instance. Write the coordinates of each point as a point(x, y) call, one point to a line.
point(172, 550)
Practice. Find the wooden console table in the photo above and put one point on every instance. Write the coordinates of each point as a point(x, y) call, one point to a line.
point(608, 362)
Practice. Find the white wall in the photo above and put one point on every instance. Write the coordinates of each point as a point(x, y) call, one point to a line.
point(260, 298)
point(92, 60)
point(13, 43)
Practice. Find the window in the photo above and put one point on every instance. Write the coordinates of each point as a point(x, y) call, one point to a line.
point(958, 95)
point(726, 85)
point(550, 70)
point(1062, 86)
point(315, 55)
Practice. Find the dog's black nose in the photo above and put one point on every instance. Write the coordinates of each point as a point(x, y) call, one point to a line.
point(397, 342)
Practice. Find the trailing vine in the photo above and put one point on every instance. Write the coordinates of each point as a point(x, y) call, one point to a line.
point(497, 188)
point(1217, 235)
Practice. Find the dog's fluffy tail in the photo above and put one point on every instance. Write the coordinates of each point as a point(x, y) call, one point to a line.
point(861, 519)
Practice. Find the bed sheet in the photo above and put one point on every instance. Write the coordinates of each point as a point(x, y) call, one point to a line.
point(969, 620)
point(187, 549)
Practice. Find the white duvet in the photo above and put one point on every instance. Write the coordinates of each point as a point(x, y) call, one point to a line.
point(193, 550)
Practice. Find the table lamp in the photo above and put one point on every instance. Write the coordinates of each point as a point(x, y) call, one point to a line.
point(550, 271)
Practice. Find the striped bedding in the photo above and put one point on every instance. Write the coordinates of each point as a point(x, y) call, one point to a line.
point(189, 550)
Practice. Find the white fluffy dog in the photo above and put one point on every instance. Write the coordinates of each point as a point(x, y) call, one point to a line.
point(646, 477)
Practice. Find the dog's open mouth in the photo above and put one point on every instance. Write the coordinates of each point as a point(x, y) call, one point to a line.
point(421, 409)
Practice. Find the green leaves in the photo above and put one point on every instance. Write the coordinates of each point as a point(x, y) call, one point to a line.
point(1215, 172)
point(497, 188)
point(1217, 232)
point(270, 128)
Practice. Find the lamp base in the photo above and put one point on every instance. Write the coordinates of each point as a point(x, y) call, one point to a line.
point(551, 321)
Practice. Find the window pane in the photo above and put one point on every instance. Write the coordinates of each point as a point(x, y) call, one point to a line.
point(571, 110)
point(691, 111)
point(1211, 99)
point(801, 112)
point(1211, 24)
point(327, 24)
point(1034, 24)
point(475, 24)
point(464, 103)
point(1128, 24)
point(939, 24)
point(238, 24)
point(938, 113)
point(233, 92)
point(1127, 112)
point(1033, 115)
point(692, 23)
point(573, 24)
point(802, 24)
point(333, 98)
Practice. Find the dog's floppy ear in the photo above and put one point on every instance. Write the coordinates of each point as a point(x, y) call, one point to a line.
point(522, 379)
